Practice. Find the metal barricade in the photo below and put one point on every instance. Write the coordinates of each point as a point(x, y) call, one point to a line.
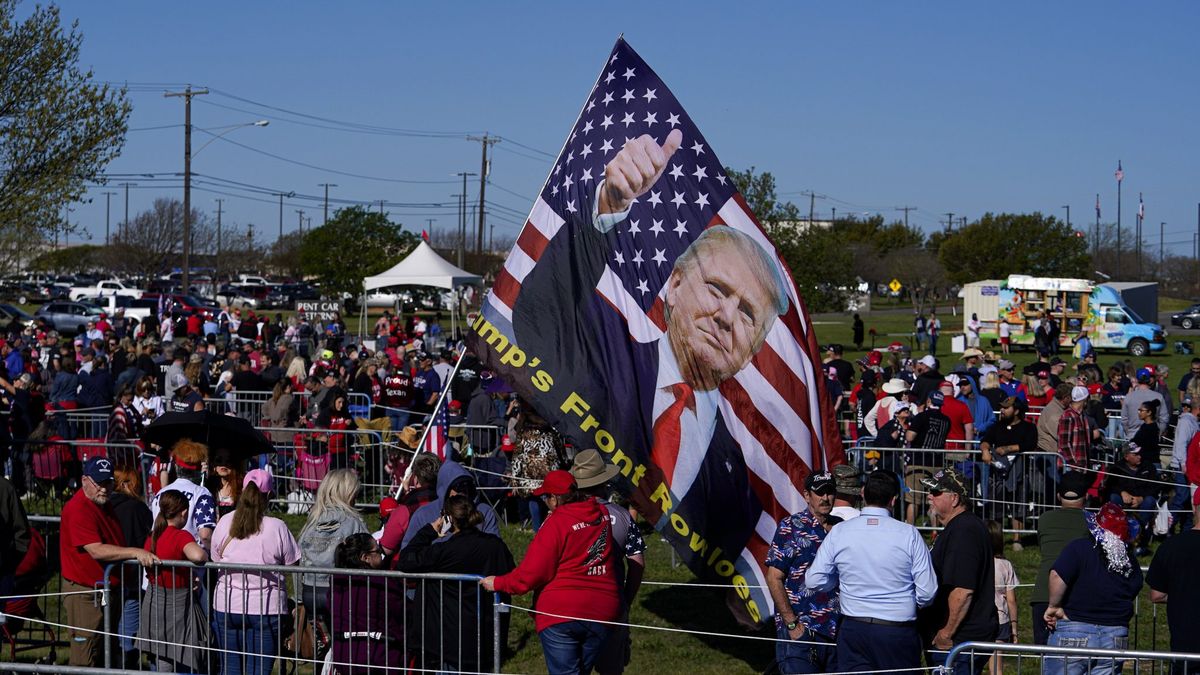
point(305, 454)
point(245, 404)
point(80, 423)
point(391, 621)
point(54, 467)
point(33, 605)
point(1070, 659)
point(1019, 493)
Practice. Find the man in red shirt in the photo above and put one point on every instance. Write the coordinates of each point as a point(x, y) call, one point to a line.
point(962, 422)
point(571, 566)
point(91, 538)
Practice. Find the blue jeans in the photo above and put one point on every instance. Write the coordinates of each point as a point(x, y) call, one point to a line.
point(1086, 636)
point(245, 633)
point(1181, 502)
point(572, 647)
point(399, 419)
point(966, 662)
point(131, 618)
point(798, 657)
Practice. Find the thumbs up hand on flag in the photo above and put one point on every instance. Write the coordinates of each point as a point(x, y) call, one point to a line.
point(635, 168)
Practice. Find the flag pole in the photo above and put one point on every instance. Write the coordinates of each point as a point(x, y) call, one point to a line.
point(437, 406)
point(1120, 175)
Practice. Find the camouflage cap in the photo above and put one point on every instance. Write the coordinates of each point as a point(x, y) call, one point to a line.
point(848, 479)
point(947, 480)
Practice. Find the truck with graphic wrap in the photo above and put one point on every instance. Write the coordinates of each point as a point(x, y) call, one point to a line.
point(1077, 305)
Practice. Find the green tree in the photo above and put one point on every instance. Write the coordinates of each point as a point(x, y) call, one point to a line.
point(355, 243)
point(819, 261)
point(58, 128)
point(70, 259)
point(998, 245)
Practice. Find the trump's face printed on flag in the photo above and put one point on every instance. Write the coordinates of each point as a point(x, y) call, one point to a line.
point(721, 300)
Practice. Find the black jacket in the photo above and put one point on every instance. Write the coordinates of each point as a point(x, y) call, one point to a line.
point(448, 604)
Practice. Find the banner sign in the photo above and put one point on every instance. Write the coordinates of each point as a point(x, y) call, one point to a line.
point(645, 313)
point(325, 310)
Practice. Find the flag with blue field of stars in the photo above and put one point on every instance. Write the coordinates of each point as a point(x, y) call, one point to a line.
point(577, 322)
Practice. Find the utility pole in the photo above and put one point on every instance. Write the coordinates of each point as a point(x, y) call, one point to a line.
point(126, 223)
point(462, 230)
point(484, 170)
point(301, 213)
point(107, 203)
point(429, 229)
point(949, 221)
point(812, 204)
point(187, 95)
point(381, 201)
point(217, 262)
point(492, 237)
point(1068, 208)
point(1161, 227)
point(906, 209)
point(325, 218)
point(1096, 243)
point(281, 195)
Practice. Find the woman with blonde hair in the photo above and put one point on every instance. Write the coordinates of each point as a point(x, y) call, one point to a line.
point(333, 518)
point(296, 373)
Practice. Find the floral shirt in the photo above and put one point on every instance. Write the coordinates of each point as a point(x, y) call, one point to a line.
point(792, 551)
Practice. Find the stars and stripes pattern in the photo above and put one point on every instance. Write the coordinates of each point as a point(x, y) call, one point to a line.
point(437, 440)
point(772, 407)
point(1097, 206)
point(1120, 174)
point(1141, 214)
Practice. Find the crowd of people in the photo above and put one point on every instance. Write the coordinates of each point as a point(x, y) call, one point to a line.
point(856, 586)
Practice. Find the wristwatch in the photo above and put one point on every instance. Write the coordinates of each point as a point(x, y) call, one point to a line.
point(791, 625)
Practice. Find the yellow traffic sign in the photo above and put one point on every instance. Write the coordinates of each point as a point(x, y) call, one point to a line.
point(895, 285)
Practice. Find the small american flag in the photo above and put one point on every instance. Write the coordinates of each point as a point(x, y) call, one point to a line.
point(1141, 208)
point(436, 440)
point(1097, 206)
point(1120, 172)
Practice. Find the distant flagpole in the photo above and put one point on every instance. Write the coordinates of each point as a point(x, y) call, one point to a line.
point(1141, 219)
point(1096, 245)
point(1120, 177)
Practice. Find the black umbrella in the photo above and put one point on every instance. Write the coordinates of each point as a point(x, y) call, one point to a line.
point(224, 432)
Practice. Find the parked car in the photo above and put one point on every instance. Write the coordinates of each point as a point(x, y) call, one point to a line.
point(106, 287)
point(1188, 318)
point(135, 308)
point(10, 315)
point(68, 317)
point(24, 292)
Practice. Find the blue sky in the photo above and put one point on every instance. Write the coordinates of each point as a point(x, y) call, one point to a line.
point(950, 107)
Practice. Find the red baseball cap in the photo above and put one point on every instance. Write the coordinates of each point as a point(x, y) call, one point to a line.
point(386, 506)
point(556, 483)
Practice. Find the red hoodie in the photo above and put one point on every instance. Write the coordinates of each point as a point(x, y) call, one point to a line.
point(570, 567)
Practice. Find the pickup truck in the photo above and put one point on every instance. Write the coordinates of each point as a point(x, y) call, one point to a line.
point(134, 308)
point(108, 287)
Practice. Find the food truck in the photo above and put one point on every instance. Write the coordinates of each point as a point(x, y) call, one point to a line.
point(1077, 305)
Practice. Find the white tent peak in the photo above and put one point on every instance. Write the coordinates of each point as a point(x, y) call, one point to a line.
point(422, 267)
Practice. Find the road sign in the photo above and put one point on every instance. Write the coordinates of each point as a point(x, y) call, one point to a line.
point(895, 285)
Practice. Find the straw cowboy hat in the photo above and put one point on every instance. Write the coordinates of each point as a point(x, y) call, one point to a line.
point(409, 436)
point(895, 386)
point(590, 469)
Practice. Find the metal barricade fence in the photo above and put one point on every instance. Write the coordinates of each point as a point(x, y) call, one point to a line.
point(236, 617)
point(1070, 659)
point(53, 466)
point(80, 423)
point(1021, 492)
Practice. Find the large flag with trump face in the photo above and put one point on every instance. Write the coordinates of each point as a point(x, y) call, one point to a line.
point(645, 313)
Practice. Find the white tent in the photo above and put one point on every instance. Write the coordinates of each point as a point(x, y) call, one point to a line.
point(422, 267)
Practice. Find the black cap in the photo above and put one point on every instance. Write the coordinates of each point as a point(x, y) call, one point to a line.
point(820, 483)
point(1074, 485)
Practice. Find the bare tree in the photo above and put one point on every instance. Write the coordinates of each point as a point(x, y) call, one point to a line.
point(152, 243)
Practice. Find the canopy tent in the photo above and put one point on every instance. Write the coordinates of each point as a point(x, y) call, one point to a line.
point(422, 267)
